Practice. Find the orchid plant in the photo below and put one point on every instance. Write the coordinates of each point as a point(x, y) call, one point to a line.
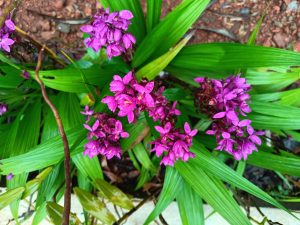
point(193, 114)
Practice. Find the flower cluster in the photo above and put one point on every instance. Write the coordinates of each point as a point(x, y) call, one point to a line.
point(5, 32)
point(224, 100)
point(109, 29)
point(131, 98)
point(3, 108)
point(174, 143)
point(104, 135)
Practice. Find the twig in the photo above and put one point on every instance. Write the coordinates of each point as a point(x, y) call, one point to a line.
point(162, 219)
point(67, 197)
point(126, 215)
point(40, 45)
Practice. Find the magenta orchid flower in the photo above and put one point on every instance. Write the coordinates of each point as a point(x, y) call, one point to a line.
point(110, 30)
point(229, 97)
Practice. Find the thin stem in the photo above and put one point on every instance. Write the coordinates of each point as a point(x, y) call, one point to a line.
point(67, 198)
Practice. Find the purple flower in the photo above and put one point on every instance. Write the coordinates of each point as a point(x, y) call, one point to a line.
point(5, 32)
point(130, 98)
point(6, 42)
point(10, 176)
point(25, 74)
point(224, 100)
point(104, 136)
point(175, 144)
point(110, 30)
point(87, 112)
point(128, 41)
point(144, 94)
point(10, 25)
point(3, 108)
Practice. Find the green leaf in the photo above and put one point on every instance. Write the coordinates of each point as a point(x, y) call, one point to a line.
point(141, 154)
point(55, 213)
point(169, 31)
point(218, 57)
point(40, 157)
point(49, 187)
point(153, 13)
point(152, 69)
point(190, 206)
point(213, 192)
point(94, 206)
point(113, 194)
point(33, 185)
point(70, 80)
point(5, 59)
point(10, 196)
point(9, 77)
point(87, 166)
point(273, 122)
point(289, 97)
point(171, 188)
point(252, 38)
point(275, 109)
point(280, 163)
point(22, 137)
point(273, 79)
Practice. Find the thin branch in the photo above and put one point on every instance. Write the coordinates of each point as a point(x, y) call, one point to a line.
point(40, 45)
point(128, 214)
point(162, 219)
point(67, 197)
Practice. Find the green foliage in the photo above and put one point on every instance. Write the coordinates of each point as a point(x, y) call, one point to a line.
point(113, 194)
point(94, 206)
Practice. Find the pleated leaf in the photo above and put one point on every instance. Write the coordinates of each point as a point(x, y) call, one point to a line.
point(113, 194)
point(10, 196)
point(221, 56)
point(171, 188)
point(152, 69)
point(23, 136)
point(153, 13)
point(213, 191)
point(190, 206)
point(169, 31)
point(94, 206)
point(55, 213)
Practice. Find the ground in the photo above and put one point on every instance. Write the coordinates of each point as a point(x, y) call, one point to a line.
point(57, 23)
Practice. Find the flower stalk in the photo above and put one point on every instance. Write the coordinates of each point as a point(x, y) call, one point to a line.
point(67, 197)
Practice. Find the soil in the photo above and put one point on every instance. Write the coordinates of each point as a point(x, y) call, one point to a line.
point(56, 23)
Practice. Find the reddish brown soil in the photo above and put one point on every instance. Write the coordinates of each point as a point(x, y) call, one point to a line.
point(56, 23)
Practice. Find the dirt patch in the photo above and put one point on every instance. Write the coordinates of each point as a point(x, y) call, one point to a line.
point(57, 23)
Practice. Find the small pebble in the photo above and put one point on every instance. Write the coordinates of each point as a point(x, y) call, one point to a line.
point(245, 11)
point(63, 27)
point(293, 6)
point(278, 24)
